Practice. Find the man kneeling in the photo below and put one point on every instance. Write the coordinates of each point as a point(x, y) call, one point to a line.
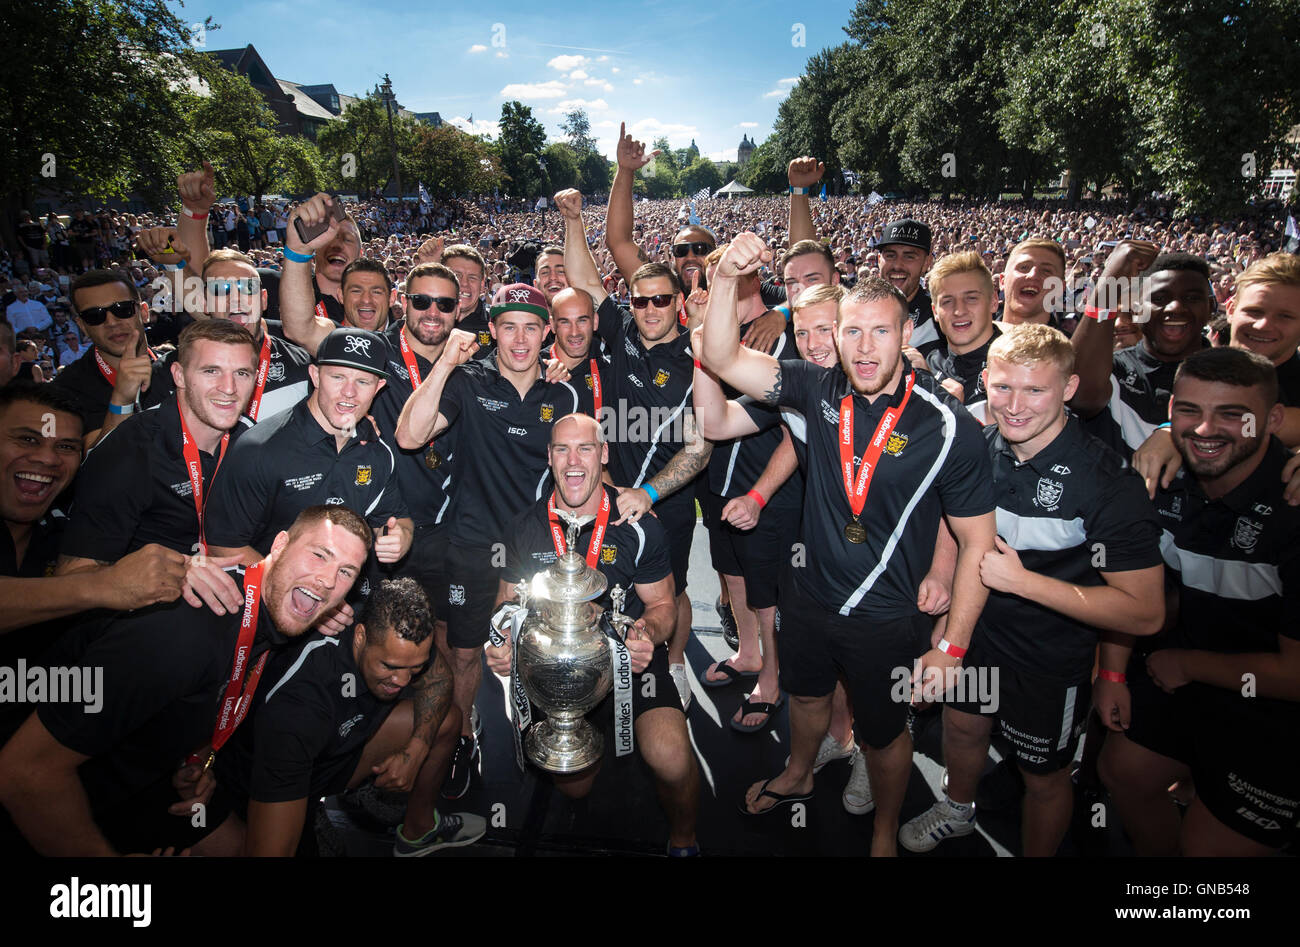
point(632, 555)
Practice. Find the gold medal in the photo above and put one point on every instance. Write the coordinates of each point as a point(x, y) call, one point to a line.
point(432, 459)
point(855, 532)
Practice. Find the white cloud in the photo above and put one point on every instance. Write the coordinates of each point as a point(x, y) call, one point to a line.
point(787, 81)
point(648, 129)
point(568, 105)
point(748, 125)
point(615, 69)
point(776, 93)
point(565, 63)
point(606, 123)
point(600, 84)
point(578, 74)
point(477, 48)
point(636, 81)
point(502, 54)
point(480, 127)
point(603, 59)
point(553, 89)
point(722, 155)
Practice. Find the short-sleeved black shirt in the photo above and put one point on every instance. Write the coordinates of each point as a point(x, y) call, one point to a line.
point(87, 384)
point(478, 322)
point(630, 554)
point(41, 557)
point(1140, 388)
point(134, 489)
point(307, 726)
point(965, 368)
point(935, 462)
point(1072, 512)
point(1236, 563)
point(427, 491)
point(648, 402)
point(1288, 381)
point(925, 330)
point(501, 467)
point(164, 671)
point(290, 463)
point(581, 375)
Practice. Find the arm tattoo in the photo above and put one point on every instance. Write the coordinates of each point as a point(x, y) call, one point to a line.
point(681, 470)
point(773, 394)
point(432, 698)
point(640, 255)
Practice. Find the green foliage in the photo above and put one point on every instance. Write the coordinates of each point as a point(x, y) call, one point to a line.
point(561, 168)
point(701, 173)
point(362, 132)
point(521, 142)
point(766, 171)
point(448, 162)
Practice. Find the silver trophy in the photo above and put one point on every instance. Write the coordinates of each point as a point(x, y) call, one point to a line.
point(563, 659)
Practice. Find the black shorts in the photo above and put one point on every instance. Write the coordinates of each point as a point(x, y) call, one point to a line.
point(426, 563)
point(473, 580)
point(757, 555)
point(677, 515)
point(1041, 718)
point(875, 658)
point(1240, 754)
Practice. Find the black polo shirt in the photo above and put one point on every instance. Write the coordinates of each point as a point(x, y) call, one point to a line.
point(1074, 501)
point(288, 463)
point(306, 728)
point(1288, 381)
point(630, 554)
point(287, 381)
point(735, 465)
point(965, 368)
point(1140, 388)
point(506, 469)
point(649, 400)
point(925, 330)
point(134, 489)
point(580, 376)
point(87, 384)
point(41, 557)
point(164, 672)
point(935, 462)
point(478, 322)
point(427, 492)
point(271, 283)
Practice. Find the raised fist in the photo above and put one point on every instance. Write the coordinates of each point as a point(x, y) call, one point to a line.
point(805, 171)
point(198, 189)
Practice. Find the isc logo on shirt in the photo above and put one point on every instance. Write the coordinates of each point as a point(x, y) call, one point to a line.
point(364, 474)
point(661, 377)
point(521, 431)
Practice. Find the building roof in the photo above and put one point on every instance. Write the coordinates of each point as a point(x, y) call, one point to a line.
point(306, 106)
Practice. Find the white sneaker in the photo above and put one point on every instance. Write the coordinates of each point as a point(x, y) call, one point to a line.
point(830, 751)
point(941, 821)
point(678, 674)
point(857, 797)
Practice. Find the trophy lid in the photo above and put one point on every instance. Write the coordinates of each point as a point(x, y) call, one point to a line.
point(570, 579)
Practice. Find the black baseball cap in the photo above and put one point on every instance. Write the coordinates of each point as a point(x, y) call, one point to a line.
point(909, 232)
point(355, 348)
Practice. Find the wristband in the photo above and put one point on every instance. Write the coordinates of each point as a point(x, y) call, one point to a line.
point(176, 267)
point(757, 498)
point(1163, 427)
point(193, 214)
point(654, 494)
point(799, 190)
point(297, 257)
point(121, 408)
point(1115, 677)
point(1098, 315)
point(697, 363)
point(949, 648)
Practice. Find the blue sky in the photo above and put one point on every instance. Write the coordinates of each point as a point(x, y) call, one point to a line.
point(709, 71)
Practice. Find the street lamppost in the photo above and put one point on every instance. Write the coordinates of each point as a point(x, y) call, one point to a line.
point(386, 90)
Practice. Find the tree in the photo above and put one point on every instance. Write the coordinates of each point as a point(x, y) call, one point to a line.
point(766, 172)
point(521, 141)
point(449, 162)
point(355, 150)
point(701, 173)
point(577, 128)
point(235, 129)
point(596, 172)
point(562, 170)
point(91, 103)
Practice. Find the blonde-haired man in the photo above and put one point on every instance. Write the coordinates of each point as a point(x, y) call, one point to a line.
point(964, 303)
point(1034, 268)
point(1077, 557)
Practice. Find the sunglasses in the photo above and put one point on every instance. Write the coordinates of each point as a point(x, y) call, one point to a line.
point(126, 309)
point(699, 249)
point(659, 299)
point(244, 286)
point(422, 301)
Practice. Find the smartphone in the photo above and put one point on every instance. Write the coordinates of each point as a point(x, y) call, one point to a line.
point(308, 234)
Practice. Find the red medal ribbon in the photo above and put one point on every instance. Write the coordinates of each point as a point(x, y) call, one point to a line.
point(239, 694)
point(595, 379)
point(857, 492)
point(557, 534)
point(263, 366)
point(194, 467)
point(109, 372)
point(412, 367)
point(321, 311)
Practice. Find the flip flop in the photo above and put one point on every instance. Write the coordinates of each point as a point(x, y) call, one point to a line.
point(748, 706)
point(725, 667)
point(780, 800)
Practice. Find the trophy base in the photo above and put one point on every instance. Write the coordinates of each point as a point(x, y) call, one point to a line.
point(563, 751)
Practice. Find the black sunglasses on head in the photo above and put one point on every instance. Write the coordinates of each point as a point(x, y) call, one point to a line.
point(659, 299)
point(699, 249)
point(422, 301)
point(126, 309)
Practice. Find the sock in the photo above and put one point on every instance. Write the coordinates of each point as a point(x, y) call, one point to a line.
point(965, 810)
